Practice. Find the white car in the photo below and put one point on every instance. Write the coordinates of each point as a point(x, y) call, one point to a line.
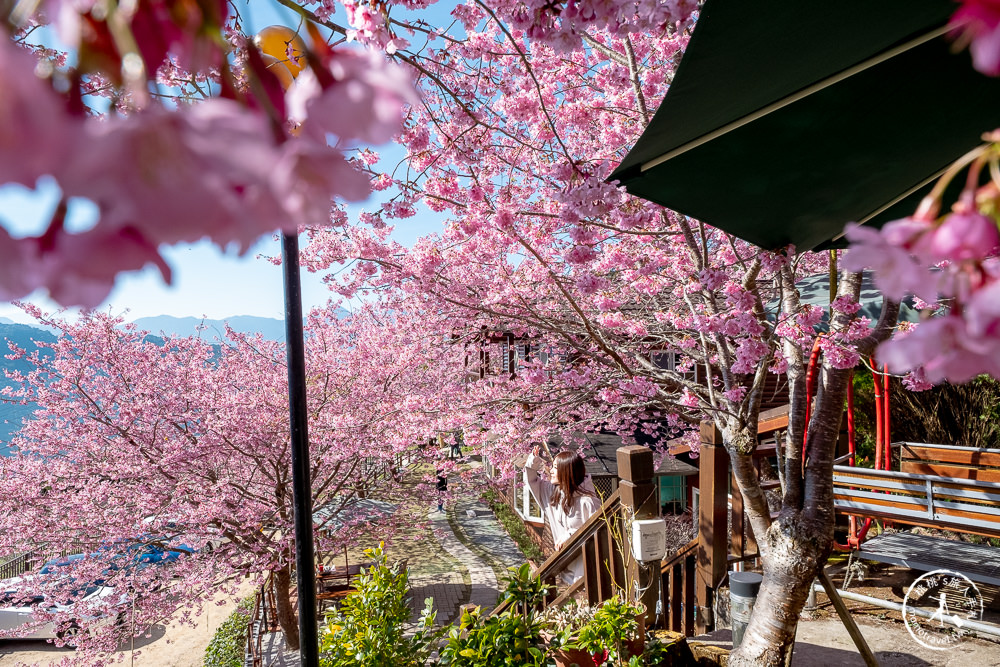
point(16, 613)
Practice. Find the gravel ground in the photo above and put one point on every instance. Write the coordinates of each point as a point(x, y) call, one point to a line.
point(173, 644)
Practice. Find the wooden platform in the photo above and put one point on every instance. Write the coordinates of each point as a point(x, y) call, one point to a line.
point(978, 562)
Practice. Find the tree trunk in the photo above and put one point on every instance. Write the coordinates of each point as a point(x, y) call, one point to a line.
point(797, 547)
point(287, 618)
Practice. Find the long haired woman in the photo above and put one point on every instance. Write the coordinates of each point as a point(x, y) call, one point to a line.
point(567, 501)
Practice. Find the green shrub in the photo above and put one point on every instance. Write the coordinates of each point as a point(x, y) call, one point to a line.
point(966, 414)
point(612, 628)
point(507, 639)
point(229, 642)
point(368, 628)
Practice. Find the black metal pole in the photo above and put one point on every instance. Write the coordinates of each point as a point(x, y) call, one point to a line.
point(301, 486)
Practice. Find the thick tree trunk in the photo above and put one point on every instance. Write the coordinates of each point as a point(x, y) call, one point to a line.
point(797, 543)
point(287, 618)
point(797, 547)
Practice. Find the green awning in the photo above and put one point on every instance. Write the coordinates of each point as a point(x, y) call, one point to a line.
point(787, 120)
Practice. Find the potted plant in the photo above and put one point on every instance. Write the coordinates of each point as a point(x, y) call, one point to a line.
point(612, 633)
point(565, 623)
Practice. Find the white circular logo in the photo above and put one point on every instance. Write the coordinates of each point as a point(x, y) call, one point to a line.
point(938, 607)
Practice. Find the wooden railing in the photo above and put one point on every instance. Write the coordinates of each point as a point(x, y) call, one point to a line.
point(262, 618)
point(604, 567)
point(15, 566)
point(962, 505)
point(677, 588)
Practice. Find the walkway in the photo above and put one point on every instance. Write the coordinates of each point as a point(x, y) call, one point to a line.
point(482, 580)
point(460, 559)
point(469, 533)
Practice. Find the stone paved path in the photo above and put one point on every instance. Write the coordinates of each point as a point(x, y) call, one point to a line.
point(483, 579)
point(485, 535)
point(460, 559)
point(470, 534)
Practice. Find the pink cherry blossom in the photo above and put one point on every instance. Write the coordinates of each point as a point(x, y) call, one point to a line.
point(961, 237)
point(978, 21)
point(360, 97)
point(897, 272)
point(982, 311)
point(36, 132)
point(944, 349)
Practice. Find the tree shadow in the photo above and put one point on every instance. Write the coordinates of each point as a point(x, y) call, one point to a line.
point(153, 634)
point(806, 653)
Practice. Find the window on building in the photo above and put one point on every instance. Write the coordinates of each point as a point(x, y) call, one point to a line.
point(524, 503)
point(673, 494)
point(665, 360)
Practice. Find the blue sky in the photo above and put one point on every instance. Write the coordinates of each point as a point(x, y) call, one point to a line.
point(207, 281)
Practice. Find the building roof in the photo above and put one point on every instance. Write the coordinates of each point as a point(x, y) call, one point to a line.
point(601, 460)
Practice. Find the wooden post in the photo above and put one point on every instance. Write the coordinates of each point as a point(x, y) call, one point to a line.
point(847, 619)
point(639, 500)
point(713, 538)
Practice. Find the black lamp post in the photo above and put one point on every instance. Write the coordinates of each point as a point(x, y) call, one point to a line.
point(299, 430)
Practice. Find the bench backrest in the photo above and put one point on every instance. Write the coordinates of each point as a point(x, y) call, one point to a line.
point(954, 461)
point(965, 505)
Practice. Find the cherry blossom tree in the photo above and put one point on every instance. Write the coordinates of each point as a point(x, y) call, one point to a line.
point(511, 144)
point(185, 442)
point(161, 116)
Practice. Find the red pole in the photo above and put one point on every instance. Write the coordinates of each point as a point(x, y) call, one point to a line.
point(887, 437)
point(810, 391)
point(877, 382)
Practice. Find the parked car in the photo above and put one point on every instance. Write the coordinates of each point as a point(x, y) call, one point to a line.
point(138, 554)
point(17, 609)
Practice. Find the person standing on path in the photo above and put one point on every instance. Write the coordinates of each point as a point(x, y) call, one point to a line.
point(442, 488)
point(567, 501)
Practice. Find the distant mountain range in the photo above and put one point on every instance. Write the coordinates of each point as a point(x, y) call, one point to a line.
point(25, 335)
point(269, 328)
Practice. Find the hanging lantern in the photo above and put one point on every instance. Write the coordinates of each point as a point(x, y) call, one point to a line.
point(285, 45)
point(279, 69)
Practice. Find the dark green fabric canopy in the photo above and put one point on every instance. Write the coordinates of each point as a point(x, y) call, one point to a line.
point(785, 121)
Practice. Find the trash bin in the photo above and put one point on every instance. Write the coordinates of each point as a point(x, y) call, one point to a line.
point(743, 589)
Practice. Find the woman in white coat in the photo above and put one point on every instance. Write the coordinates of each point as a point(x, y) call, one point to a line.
point(567, 501)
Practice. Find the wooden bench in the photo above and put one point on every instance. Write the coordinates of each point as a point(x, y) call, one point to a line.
point(940, 486)
point(970, 463)
point(978, 562)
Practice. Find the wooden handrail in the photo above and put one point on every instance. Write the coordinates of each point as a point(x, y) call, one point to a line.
point(263, 600)
point(685, 551)
point(677, 590)
point(775, 419)
point(558, 561)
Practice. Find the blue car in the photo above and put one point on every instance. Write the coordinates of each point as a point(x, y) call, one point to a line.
point(137, 555)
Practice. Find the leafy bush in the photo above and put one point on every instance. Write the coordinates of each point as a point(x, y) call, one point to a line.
point(368, 628)
point(229, 642)
point(510, 638)
point(506, 639)
point(513, 524)
point(948, 414)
